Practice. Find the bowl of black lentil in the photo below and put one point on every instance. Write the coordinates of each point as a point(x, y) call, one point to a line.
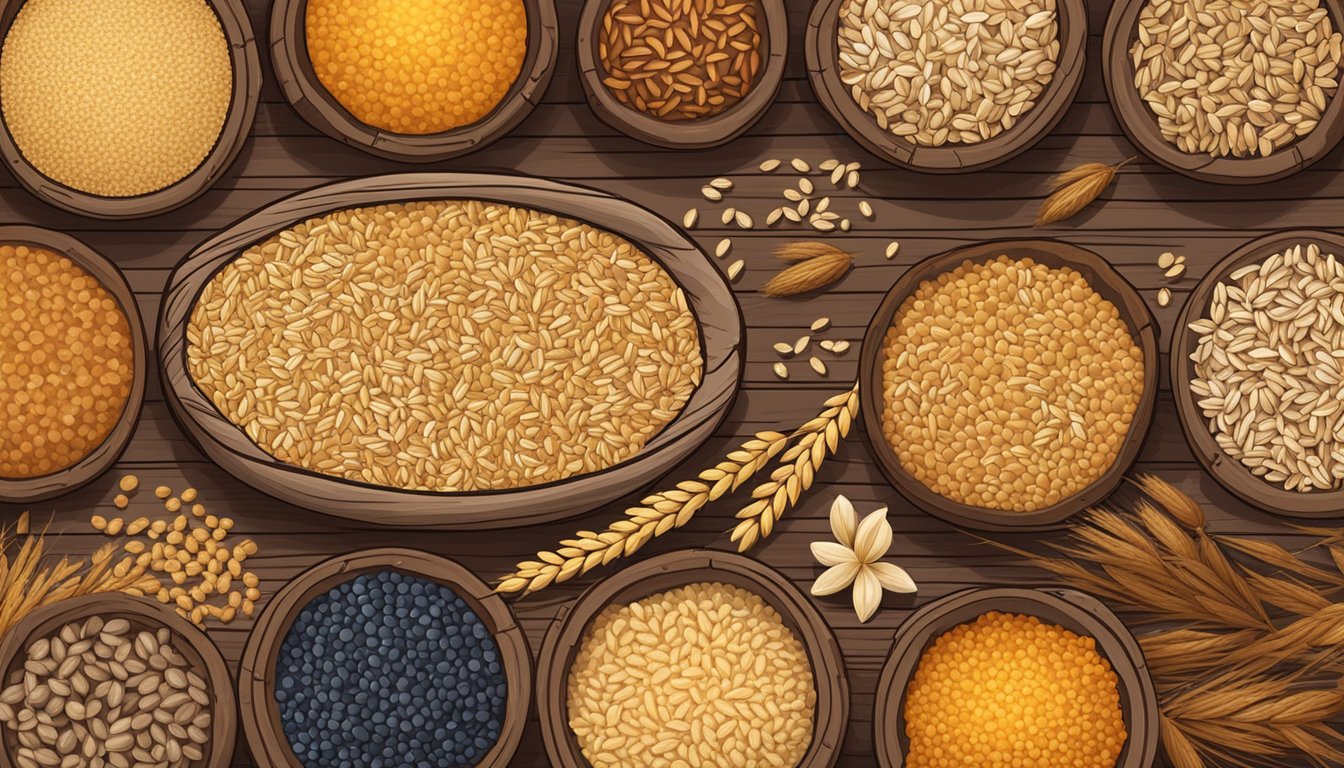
point(385, 658)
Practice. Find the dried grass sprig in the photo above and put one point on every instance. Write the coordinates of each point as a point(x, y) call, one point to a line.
point(1076, 189)
point(814, 266)
point(663, 511)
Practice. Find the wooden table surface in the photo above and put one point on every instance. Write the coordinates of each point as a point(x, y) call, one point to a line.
point(1148, 211)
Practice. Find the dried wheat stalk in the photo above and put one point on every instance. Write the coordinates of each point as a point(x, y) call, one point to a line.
point(1075, 189)
point(661, 512)
point(812, 266)
point(797, 470)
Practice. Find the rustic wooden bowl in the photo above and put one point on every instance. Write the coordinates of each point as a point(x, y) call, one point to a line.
point(669, 571)
point(106, 454)
point(266, 738)
point(294, 71)
point(823, 71)
point(1074, 611)
point(1105, 281)
point(237, 123)
point(711, 300)
point(1229, 472)
point(143, 614)
point(685, 134)
point(1140, 125)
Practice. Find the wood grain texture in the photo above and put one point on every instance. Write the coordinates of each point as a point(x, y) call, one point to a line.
point(1148, 210)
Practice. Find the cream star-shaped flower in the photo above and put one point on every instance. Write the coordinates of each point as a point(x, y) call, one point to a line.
point(854, 558)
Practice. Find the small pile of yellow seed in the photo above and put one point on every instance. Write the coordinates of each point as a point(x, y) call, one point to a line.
point(417, 66)
point(68, 363)
point(1009, 384)
point(1010, 691)
point(703, 676)
point(206, 570)
point(116, 98)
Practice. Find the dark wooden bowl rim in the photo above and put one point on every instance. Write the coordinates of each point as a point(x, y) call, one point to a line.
point(1230, 473)
point(106, 453)
point(233, 133)
point(143, 613)
point(1140, 125)
point(316, 105)
point(706, 132)
point(1075, 611)
point(256, 678)
point(823, 71)
point(1105, 281)
point(721, 335)
point(669, 571)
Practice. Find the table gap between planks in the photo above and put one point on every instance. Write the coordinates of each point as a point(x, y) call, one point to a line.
point(1146, 212)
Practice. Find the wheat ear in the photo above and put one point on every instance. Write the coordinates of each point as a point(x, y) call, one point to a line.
point(798, 468)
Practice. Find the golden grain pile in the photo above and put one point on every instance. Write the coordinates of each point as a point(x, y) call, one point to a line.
point(445, 346)
point(1009, 384)
point(681, 59)
point(1009, 690)
point(69, 365)
point(1233, 77)
point(116, 98)
point(417, 66)
point(702, 676)
point(941, 72)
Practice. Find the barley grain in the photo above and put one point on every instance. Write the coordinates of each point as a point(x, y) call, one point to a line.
point(1163, 297)
point(689, 218)
point(781, 370)
point(735, 269)
point(769, 165)
point(725, 245)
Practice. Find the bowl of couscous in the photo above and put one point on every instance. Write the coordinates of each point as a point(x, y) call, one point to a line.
point(1002, 677)
point(121, 109)
point(414, 80)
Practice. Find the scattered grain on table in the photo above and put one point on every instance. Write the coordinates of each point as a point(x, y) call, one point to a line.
point(940, 72)
point(702, 676)
point(1009, 384)
point(445, 346)
point(67, 375)
point(1010, 689)
point(1163, 297)
point(115, 98)
point(417, 67)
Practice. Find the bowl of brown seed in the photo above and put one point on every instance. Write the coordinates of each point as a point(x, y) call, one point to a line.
point(1009, 385)
point(1256, 372)
point(944, 86)
point(682, 75)
point(1235, 94)
point(110, 679)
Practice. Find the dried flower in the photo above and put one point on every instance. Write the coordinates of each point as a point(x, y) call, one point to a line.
point(854, 558)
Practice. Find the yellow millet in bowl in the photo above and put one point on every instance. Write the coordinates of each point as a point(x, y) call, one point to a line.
point(1009, 384)
point(115, 98)
point(1012, 691)
point(417, 67)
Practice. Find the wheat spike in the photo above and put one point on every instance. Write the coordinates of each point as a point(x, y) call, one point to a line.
point(804, 250)
point(1076, 189)
point(810, 274)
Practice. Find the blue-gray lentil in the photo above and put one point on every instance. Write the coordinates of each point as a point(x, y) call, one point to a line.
point(389, 670)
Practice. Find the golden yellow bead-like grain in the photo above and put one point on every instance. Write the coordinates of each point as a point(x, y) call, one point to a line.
point(703, 676)
point(115, 97)
point(1010, 691)
point(66, 365)
point(1009, 384)
point(417, 66)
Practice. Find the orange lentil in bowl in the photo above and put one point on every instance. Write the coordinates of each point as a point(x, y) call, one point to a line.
point(417, 67)
point(67, 366)
point(1010, 690)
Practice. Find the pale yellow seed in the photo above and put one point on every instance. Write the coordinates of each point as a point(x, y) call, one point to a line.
point(1175, 271)
point(725, 245)
point(691, 216)
point(173, 504)
point(773, 217)
point(129, 483)
point(735, 269)
point(769, 165)
point(800, 165)
point(866, 208)
point(188, 496)
point(820, 324)
point(801, 344)
point(784, 349)
point(728, 214)
point(721, 184)
point(98, 522)
point(744, 220)
point(1163, 297)
point(892, 249)
point(781, 370)
point(1166, 260)
point(840, 347)
point(163, 491)
point(805, 186)
point(711, 194)
point(817, 365)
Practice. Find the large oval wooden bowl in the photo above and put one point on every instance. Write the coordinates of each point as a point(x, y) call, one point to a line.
point(685, 134)
point(1140, 124)
point(823, 70)
point(315, 104)
point(710, 299)
point(237, 123)
point(670, 571)
point(143, 614)
point(1075, 611)
point(1105, 281)
point(256, 679)
point(106, 453)
point(1229, 472)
